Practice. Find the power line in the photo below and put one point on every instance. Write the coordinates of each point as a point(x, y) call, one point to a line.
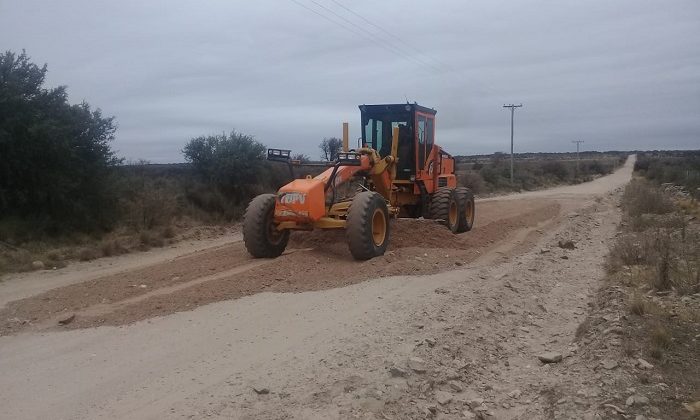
point(398, 38)
point(388, 47)
point(326, 17)
point(578, 143)
point(512, 116)
point(398, 49)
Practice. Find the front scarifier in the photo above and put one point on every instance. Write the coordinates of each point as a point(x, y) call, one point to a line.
point(399, 171)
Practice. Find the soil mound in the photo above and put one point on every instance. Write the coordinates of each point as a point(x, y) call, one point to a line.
point(404, 233)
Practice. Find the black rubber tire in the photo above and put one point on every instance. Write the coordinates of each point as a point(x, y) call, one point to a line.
point(441, 202)
point(359, 225)
point(258, 235)
point(466, 219)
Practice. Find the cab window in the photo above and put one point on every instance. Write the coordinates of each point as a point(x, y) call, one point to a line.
point(430, 135)
point(421, 141)
point(379, 135)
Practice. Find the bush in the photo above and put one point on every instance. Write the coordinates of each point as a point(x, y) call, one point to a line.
point(638, 306)
point(88, 254)
point(234, 163)
point(556, 168)
point(148, 201)
point(666, 245)
point(678, 168)
point(151, 239)
point(640, 197)
point(533, 172)
point(473, 181)
point(112, 247)
point(55, 158)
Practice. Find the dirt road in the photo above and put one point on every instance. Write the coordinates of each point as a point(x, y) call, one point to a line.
point(184, 334)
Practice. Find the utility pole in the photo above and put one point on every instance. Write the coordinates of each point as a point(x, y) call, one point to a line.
point(578, 143)
point(512, 115)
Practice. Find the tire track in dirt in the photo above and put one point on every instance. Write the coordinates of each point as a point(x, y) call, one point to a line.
point(101, 309)
point(228, 272)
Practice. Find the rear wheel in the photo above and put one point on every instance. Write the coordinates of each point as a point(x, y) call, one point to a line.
point(446, 206)
point(367, 226)
point(466, 198)
point(260, 234)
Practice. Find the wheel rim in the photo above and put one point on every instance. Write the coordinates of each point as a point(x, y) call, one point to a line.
point(470, 212)
point(378, 227)
point(453, 213)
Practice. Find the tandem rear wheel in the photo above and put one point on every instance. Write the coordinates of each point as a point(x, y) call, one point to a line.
point(455, 207)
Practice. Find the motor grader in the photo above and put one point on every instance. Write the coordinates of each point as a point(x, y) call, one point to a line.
point(396, 170)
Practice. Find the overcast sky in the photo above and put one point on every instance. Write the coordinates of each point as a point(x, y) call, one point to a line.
point(620, 75)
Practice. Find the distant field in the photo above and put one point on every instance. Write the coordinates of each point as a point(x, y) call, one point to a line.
point(488, 174)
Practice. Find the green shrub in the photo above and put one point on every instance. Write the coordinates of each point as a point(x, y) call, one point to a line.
point(55, 158)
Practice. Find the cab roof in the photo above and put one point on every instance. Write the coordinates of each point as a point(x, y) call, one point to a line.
point(397, 108)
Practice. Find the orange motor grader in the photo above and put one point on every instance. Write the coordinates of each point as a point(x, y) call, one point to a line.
point(397, 170)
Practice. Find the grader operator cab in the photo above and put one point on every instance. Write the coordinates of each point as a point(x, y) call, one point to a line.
point(396, 171)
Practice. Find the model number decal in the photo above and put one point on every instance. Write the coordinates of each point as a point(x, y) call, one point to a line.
point(292, 198)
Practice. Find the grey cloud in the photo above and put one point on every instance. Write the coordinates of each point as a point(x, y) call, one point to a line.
point(619, 75)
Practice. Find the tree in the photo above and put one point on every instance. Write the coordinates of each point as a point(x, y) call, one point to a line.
point(302, 158)
point(330, 146)
point(55, 158)
point(235, 163)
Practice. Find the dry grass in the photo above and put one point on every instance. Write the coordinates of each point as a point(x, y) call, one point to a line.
point(689, 315)
point(642, 197)
point(80, 247)
point(16, 260)
point(658, 248)
point(168, 232)
point(660, 337)
point(632, 249)
point(638, 306)
point(656, 352)
point(88, 254)
point(54, 255)
point(149, 239)
point(666, 255)
point(111, 247)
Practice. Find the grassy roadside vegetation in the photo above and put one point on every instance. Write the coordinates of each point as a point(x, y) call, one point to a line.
point(156, 205)
point(655, 262)
point(490, 174)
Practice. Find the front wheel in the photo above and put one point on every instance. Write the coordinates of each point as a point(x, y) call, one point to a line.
point(260, 234)
point(367, 226)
